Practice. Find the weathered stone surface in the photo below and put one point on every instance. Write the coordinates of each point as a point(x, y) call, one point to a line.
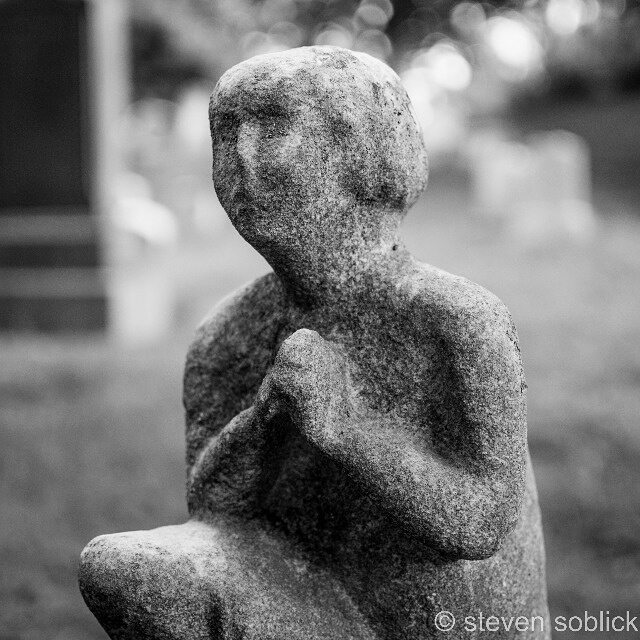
point(356, 429)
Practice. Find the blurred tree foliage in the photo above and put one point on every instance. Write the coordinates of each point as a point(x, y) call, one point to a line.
point(177, 41)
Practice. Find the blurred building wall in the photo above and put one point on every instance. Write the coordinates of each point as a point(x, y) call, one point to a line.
point(64, 82)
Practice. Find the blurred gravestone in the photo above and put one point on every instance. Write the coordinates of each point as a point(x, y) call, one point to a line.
point(62, 78)
point(541, 187)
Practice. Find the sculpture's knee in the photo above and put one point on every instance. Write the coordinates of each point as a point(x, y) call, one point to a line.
point(140, 586)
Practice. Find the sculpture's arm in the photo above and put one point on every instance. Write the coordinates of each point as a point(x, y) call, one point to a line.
point(226, 364)
point(235, 467)
point(463, 502)
point(459, 513)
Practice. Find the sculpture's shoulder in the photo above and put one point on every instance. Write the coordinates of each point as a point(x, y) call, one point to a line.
point(469, 333)
point(467, 319)
point(237, 321)
point(229, 356)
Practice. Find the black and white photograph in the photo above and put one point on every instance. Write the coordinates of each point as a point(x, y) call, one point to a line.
point(319, 319)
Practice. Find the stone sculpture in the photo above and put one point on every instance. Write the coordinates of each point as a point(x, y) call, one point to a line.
point(356, 432)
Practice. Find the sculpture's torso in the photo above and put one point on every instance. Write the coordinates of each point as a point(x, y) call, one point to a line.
point(398, 358)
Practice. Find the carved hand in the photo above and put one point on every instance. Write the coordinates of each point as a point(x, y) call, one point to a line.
point(309, 383)
point(306, 386)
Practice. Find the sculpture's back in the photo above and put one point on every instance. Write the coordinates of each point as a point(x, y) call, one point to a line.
point(356, 434)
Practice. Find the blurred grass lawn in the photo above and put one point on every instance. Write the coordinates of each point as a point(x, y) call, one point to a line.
point(91, 432)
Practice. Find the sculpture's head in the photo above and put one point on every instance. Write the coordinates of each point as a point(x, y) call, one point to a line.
point(314, 145)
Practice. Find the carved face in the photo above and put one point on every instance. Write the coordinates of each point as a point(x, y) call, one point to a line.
point(314, 141)
point(273, 162)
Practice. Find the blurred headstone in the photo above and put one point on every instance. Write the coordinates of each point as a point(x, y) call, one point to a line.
point(143, 235)
point(499, 172)
point(541, 187)
point(558, 203)
point(63, 78)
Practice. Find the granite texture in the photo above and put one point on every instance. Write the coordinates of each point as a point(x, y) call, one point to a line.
point(356, 428)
